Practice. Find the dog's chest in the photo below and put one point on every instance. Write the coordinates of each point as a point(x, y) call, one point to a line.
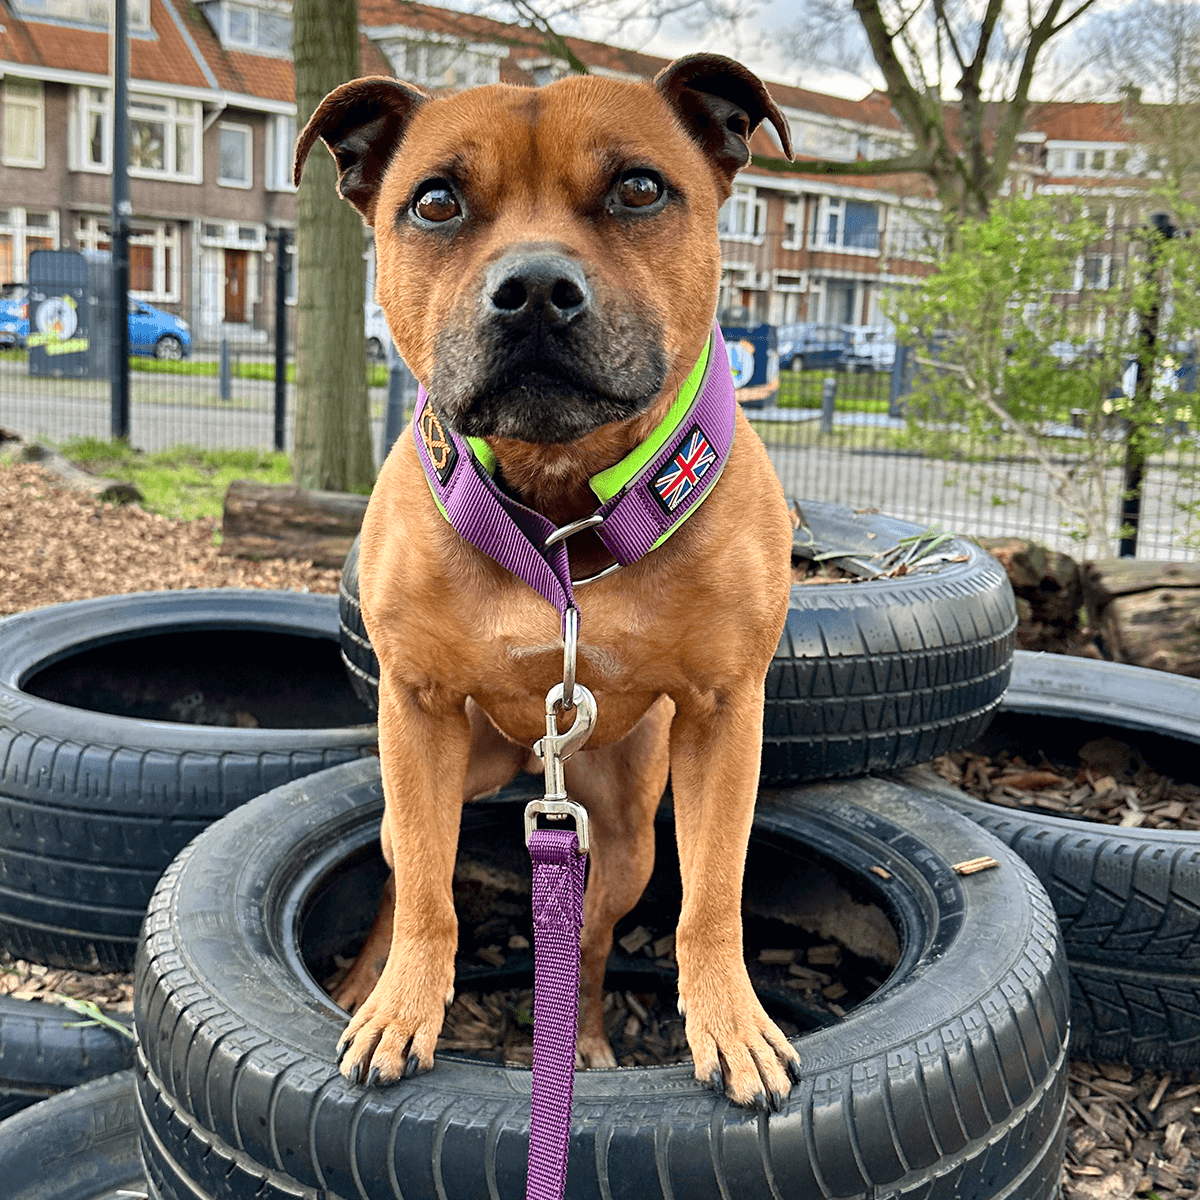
point(514, 692)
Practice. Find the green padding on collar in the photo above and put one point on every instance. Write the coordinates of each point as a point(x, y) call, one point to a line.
point(483, 452)
point(608, 483)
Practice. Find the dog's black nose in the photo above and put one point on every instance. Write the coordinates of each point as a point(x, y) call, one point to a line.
point(544, 286)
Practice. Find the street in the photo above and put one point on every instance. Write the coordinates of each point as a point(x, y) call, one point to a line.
point(993, 499)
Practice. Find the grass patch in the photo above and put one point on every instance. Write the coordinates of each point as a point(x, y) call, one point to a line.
point(258, 369)
point(857, 391)
point(184, 481)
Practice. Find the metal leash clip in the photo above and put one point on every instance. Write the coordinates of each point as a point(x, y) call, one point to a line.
point(554, 749)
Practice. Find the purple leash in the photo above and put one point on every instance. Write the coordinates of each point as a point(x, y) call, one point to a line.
point(558, 871)
point(559, 861)
point(657, 497)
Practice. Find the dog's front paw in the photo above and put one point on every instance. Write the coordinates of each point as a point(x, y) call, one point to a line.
point(393, 1034)
point(738, 1049)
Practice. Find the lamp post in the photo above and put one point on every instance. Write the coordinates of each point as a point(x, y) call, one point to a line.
point(119, 232)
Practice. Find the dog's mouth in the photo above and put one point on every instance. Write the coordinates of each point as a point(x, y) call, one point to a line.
point(546, 386)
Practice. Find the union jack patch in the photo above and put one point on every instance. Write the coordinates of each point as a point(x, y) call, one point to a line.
point(682, 473)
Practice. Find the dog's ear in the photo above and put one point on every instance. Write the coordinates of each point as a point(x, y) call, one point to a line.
point(362, 122)
point(721, 104)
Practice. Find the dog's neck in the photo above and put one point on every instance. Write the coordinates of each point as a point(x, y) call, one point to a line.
point(554, 479)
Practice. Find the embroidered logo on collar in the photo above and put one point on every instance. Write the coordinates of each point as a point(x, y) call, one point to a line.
point(443, 454)
point(684, 470)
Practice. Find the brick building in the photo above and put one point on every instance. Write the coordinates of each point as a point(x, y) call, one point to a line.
point(212, 121)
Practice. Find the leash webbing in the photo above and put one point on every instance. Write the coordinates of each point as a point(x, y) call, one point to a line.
point(558, 874)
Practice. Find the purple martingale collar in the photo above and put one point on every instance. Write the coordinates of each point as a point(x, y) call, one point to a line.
point(640, 516)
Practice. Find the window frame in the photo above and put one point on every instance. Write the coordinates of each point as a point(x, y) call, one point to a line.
point(747, 201)
point(58, 12)
point(830, 214)
point(277, 153)
point(93, 233)
point(248, 133)
point(38, 107)
point(17, 227)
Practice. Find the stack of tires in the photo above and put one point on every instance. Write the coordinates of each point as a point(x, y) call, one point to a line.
point(949, 1081)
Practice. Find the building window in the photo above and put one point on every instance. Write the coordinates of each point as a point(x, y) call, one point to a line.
point(1120, 160)
point(913, 233)
point(281, 138)
point(23, 231)
point(95, 130)
point(1098, 159)
point(793, 225)
point(1094, 272)
point(1080, 160)
point(24, 123)
point(846, 225)
point(235, 156)
point(83, 12)
point(153, 255)
point(440, 64)
point(164, 134)
point(743, 216)
point(263, 29)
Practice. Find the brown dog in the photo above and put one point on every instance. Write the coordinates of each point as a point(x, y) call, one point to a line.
point(549, 265)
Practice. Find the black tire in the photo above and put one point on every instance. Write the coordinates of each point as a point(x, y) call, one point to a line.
point(1127, 900)
point(358, 655)
point(868, 676)
point(168, 348)
point(95, 804)
point(885, 673)
point(79, 1145)
point(46, 1048)
point(949, 1081)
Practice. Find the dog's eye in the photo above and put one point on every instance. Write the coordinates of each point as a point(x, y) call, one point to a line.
point(436, 203)
point(638, 189)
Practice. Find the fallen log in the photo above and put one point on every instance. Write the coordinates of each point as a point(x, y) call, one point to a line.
point(114, 491)
point(263, 520)
point(1147, 613)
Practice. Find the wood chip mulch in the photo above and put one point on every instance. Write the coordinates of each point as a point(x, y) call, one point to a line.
point(111, 991)
point(1109, 782)
point(1129, 1134)
point(61, 545)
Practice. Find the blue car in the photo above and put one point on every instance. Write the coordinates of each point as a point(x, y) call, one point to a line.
point(158, 333)
point(14, 316)
point(152, 332)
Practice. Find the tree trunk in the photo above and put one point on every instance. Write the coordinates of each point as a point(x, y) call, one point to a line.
point(333, 429)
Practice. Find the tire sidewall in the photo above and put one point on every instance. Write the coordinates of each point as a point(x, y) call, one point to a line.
point(38, 638)
point(221, 918)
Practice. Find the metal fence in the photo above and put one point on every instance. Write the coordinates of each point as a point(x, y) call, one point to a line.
point(222, 393)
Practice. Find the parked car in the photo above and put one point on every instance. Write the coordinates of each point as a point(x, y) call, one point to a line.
point(151, 331)
point(869, 348)
point(807, 346)
point(158, 333)
point(14, 315)
point(378, 335)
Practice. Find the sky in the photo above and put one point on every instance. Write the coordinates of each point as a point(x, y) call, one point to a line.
point(758, 42)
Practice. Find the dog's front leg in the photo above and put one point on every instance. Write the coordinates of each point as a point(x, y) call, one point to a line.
point(424, 743)
point(716, 744)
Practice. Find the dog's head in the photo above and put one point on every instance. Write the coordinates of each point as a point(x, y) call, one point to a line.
point(547, 257)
